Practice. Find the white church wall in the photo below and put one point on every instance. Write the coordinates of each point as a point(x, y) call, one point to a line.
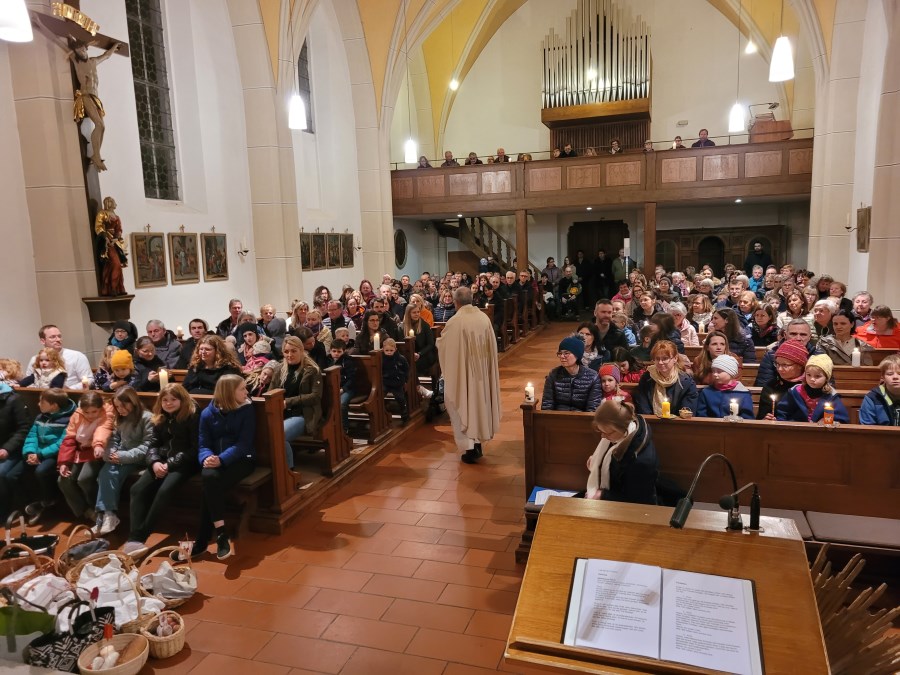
point(327, 183)
point(426, 249)
point(17, 273)
point(211, 145)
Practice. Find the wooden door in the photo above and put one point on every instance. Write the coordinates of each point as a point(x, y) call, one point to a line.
point(591, 236)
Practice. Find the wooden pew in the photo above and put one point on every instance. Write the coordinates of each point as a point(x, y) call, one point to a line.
point(264, 492)
point(368, 401)
point(852, 470)
point(413, 400)
point(330, 437)
point(845, 377)
point(511, 320)
point(876, 354)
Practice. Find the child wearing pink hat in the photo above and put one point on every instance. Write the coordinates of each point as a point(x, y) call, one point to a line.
point(717, 398)
point(610, 379)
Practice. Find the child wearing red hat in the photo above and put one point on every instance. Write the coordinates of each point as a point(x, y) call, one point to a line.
point(610, 378)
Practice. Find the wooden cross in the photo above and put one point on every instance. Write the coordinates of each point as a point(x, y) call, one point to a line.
point(67, 28)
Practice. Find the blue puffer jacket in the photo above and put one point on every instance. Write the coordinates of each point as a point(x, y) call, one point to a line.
point(579, 392)
point(793, 409)
point(230, 435)
point(879, 408)
point(47, 432)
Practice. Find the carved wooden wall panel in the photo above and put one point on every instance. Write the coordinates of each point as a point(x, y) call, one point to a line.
point(680, 170)
point(623, 173)
point(800, 161)
point(402, 188)
point(720, 167)
point(464, 184)
point(540, 180)
point(430, 186)
point(496, 182)
point(583, 176)
point(762, 164)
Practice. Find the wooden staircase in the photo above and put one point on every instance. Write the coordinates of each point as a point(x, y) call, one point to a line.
point(483, 240)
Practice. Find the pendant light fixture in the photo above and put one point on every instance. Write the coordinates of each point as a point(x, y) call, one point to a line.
point(296, 106)
point(736, 123)
point(410, 149)
point(751, 45)
point(781, 68)
point(454, 83)
point(15, 25)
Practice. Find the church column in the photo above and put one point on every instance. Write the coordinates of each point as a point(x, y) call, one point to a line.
point(522, 239)
point(883, 270)
point(648, 264)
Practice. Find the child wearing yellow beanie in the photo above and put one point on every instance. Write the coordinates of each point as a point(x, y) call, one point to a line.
point(806, 401)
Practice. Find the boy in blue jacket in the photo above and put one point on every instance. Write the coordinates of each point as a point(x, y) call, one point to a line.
point(394, 374)
point(881, 406)
point(805, 402)
point(715, 400)
point(42, 446)
point(340, 358)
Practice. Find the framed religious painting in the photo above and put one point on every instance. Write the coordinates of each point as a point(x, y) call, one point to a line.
point(305, 251)
point(215, 257)
point(148, 259)
point(333, 250)
point(346, 250)
point(184, 258)
point(318, 252)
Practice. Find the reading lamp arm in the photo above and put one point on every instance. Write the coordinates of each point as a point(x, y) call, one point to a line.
point(679, 516)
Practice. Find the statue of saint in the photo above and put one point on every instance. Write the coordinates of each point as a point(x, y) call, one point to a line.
point(87, 99)
point(112, 251)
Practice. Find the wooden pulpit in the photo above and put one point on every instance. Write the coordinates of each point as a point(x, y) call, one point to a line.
point(775, 560)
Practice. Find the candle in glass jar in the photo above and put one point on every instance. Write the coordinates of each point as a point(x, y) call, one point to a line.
point(733, 407)
point(529, 392)
point(376, 341)
point(855, 357)
point(163, 377)
point(828, 417)
point(666, 408)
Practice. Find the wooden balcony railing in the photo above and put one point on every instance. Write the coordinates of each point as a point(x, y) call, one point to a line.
point(780, 169)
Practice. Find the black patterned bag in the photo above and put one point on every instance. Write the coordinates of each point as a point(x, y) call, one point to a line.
point(61, 650)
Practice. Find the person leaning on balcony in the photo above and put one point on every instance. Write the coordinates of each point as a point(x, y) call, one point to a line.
point(501, 156)
point(424, 163)
point(473, 159)
point(678, 145)
point(614, 147)
point(704, 141)
point(568, 151)
point(448, 160)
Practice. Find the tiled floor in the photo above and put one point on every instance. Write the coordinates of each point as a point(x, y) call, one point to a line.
point(409, 569)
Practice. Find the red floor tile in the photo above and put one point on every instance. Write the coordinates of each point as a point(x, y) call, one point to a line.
point(392, 637)
point(429, 615)
point(471, 650)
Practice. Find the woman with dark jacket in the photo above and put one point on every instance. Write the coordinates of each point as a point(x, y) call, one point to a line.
point(301, 380)
point(571, 386)
point(373, 323)
point(146, 365)
point(726, 320)
point(171, 460)
point(664, 381)
point(426, 349)
point(211, 360)
point(624, 466)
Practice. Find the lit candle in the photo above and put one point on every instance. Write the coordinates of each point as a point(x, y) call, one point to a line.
point(701, 327)
point(774, 399)
point(828, 417)
point(529, 392)
point(85, 383)
point(376, 341)
point(412, 333)
point(666, 408)
point(163, 377)
point(855, 357)
point(733, 407)
point(179, 332)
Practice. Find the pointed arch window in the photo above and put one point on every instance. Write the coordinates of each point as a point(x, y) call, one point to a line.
point(305, 86)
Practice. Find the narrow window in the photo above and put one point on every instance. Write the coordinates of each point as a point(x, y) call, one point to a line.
point(305, 88)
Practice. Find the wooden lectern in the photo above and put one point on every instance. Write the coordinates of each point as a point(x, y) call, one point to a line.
point(571, 528)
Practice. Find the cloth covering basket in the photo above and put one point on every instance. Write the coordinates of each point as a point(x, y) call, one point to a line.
point(184, 567)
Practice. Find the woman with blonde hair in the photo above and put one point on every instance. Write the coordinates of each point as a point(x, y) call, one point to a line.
point(49, 370)
point(426, 315)
point(624, 466)
point(298, 315)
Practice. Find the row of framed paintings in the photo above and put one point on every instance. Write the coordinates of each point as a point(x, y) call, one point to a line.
point(148, 258)
point(325, 251)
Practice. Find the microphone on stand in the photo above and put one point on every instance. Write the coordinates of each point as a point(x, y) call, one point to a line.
point(730, 502)
point(683, 508)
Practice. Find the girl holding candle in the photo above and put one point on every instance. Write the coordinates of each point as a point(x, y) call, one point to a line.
point(726, 396)
point(840, 344)
point(146, 365)
point(418, 330)
point(814, 398)
point(372, 332)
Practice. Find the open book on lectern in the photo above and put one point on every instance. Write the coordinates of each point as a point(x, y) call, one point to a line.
point(701, 620)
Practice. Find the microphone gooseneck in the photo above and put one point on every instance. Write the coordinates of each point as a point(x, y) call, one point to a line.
point(683, 509)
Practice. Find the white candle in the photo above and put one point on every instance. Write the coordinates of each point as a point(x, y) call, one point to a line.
point(855, 357)
point(179, 331)
point(412, 333)
point(733, 407)
point(529, 392)
point(85, 383)
point(163, 377)
point(376, 341)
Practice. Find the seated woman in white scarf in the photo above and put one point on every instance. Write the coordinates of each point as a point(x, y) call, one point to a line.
point(624, 466)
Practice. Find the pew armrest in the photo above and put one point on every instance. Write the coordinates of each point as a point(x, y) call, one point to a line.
point(862, 530)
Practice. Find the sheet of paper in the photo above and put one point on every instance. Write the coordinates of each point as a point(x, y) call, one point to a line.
point(542, 496)
point(617, 608)
point(709, 621)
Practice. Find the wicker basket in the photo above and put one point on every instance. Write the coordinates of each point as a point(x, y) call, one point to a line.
point(42, 565)
point(171, 603)
point(131, 667)
point(134, 626)
point(63, 562)
point(99, 560)
point(164, 647)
